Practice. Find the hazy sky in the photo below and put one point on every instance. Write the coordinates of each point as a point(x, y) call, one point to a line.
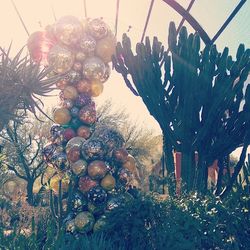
point(210, 13)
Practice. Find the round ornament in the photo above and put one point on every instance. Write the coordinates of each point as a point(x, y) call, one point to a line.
point(97, 196)
point(95, 209)
point(70, 226)
point(86, 183)
point(87, 115)
point(70, 92)
point(106, 47)
point(108, 182)
point(120, 155)
point(82, 100)
point(73, 154)
point(100, 223)
point(79, 167)
point(61, 116)
point(130, 164)
point(73, 76)
point(74, 111)
point(68, 134)
point(56, 130)
point(60, 59)
point(68, 30)
point(93, 68)
point(96, 88)
point(80, 56)
point(84, 131)
point(83, 86)
point(97, 169)
point(93, 149)
point(87, 44)
point(67, 104)
point(77, 66)
point(61, 84)
point(84, 222)
point(75, 142)
point(98, 28)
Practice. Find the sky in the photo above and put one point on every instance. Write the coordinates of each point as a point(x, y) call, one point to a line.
point(210, 14)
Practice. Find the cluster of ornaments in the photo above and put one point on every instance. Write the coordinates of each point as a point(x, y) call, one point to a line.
point(93, 160)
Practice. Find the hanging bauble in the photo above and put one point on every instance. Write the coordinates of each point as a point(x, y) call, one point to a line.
point(75, 123)
point(83, 86)
point(82, 100)
point(111, 137)
point(67, 103)
point(78, 202)
point(48, 151)
point(74, 111)
point(93, 149)
point(87, 44)
point(120, 155)
point(39, 45)
point(70, 226)
point(62, 83)
point(79, 167)
point(108, 182)
point(96, 88)
point(107, 74)
point(130, 164)
point(68, 134)
point(80, 56)
point(106, 47)
point(97, 169)
point(60, 59)
point(54, 183)
point(93, 68)
point(86, 183)
point(100, 223)
point(125, 176)
point(87, 115)
point(84, 222)
point(60, 161)
point(56, 130)
point(68, 30)
point(75, 142)
point(84, 131)
point(98, 28)
point(73, 154)
point(70, 92)
point(73, 76)
point(97, 196)
point(61, 116)
point(77, 67)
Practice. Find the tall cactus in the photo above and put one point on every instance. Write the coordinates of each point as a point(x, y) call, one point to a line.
point(198, 102)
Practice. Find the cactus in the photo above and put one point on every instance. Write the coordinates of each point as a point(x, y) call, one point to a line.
point(197, 102)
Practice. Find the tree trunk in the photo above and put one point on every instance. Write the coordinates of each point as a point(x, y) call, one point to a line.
point(202, 174)
point(30, 195)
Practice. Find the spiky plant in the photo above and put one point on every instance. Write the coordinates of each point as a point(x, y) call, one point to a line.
point(22, 82)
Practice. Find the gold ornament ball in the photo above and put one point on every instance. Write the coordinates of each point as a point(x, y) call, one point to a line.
point(98, 28)
point(80, 56)
point(61, 116)
point(60, 59)
point(84, 222)
point(97, 169)
point(93, 68)
point(68, 30)
point(83, 86)
point(70, 92)
point(96, 88)
point(106, 47)
point(108, 182)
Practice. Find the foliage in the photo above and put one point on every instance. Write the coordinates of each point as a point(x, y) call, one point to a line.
point(21, 83)
point(199, 98)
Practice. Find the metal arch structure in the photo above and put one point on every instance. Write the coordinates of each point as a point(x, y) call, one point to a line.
point(196, 26)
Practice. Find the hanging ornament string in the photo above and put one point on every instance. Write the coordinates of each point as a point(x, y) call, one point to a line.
point(117, 16)
point(85, 8)
point(20, 17)
point(147, 20)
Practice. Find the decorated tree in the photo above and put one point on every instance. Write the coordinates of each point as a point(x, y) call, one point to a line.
point(199, 98)
point(90, 169)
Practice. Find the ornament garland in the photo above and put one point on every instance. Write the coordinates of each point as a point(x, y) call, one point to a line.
point(93, 161)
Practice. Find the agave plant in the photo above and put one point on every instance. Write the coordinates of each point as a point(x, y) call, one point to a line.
point(21, 83)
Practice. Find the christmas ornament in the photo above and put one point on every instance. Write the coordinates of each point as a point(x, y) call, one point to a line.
point(108, 182)
point(79, 167)
point(84, 131)
point(73, 76)
point(70, 92)
point(93, 68)
point(61, 116)
point(87, 44)
point(82, 100)
point(97, 169)
point(97, 196)
point(93, 149)
point(74, 142)
point(80, 56)
point(100, 223)
point(77, 67)
point(70, 226)
point(78, 202)
point(120, 155)
point(68, 134)
point(106, 47)
point(96, 88)
point(98, 28)
point(75, 123)
point(130, 164)
point(62, 83)
point(83, 86)
point(86, 183)
point(67, 104)
point(74, 111)
point(84, 222)
point(56, 130)
point(73, 154)
point(60, 59)
point(68, 30)
point(87, 115)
